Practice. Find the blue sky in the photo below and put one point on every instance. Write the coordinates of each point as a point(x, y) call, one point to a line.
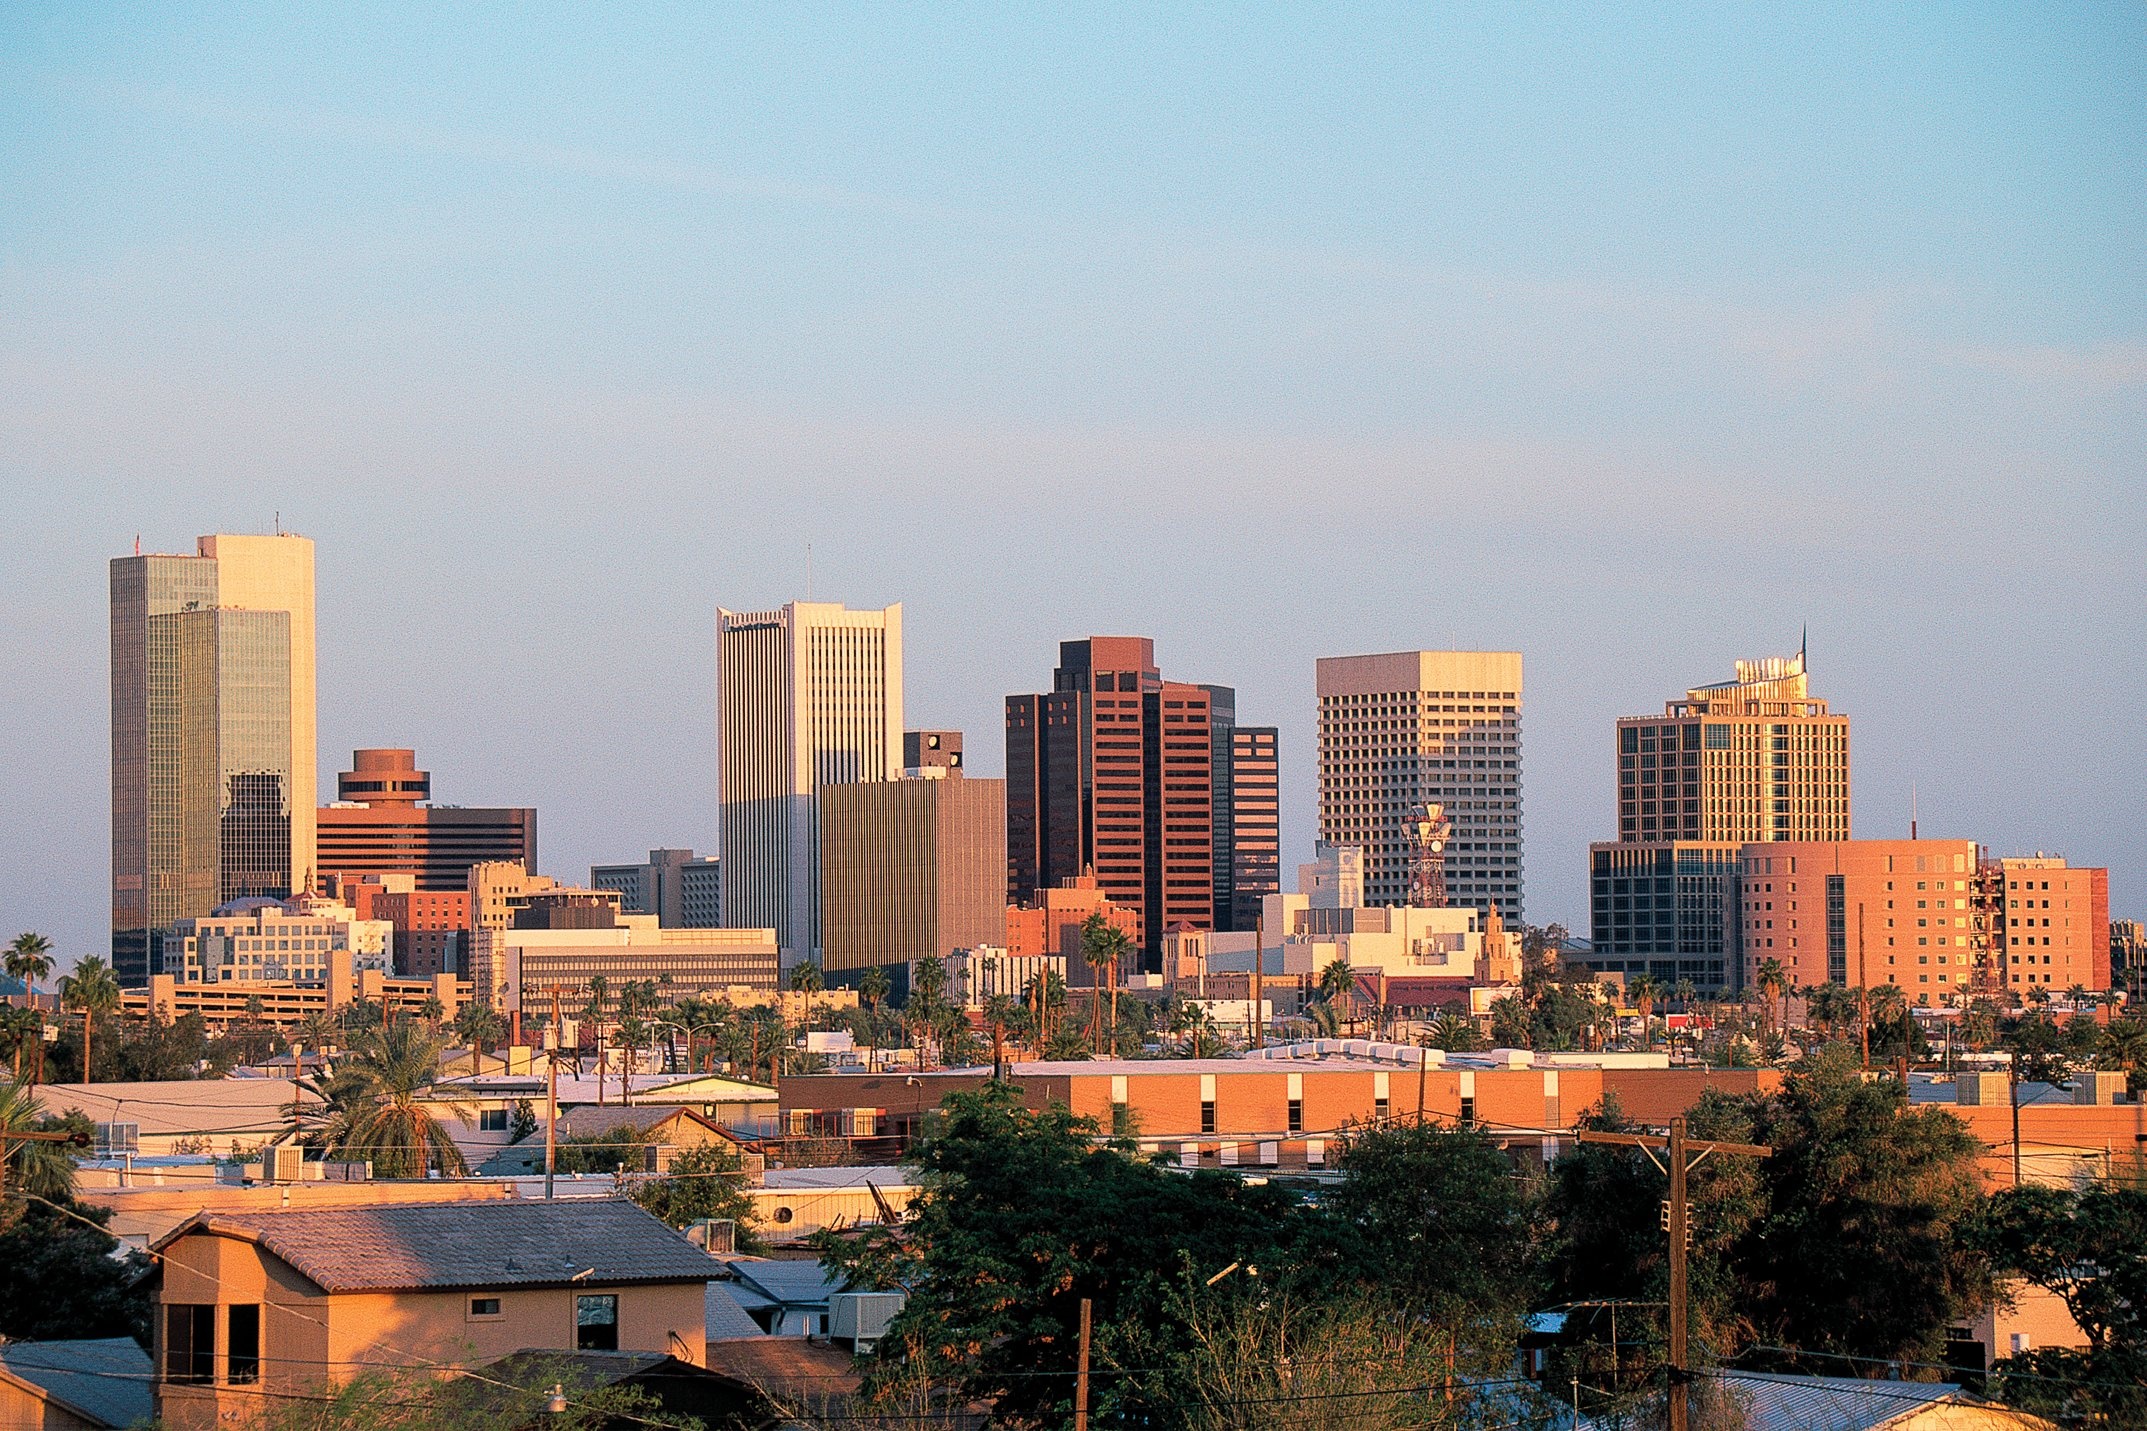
point(1633, 339)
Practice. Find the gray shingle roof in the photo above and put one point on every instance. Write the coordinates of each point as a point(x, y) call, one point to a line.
point(106, 1381)
point(418, 1246)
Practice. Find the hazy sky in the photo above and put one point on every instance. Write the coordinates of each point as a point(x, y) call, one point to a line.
point(1634, 340)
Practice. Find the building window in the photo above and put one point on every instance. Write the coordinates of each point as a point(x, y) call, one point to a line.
point(1297, 1115)
point(1468, 1109)
point(596, 1323)
point(491, 1120)
point(1379, 1109)
point(243, 1359)
point(484, 1306)
point(1207, 1115)
point(189, 1342)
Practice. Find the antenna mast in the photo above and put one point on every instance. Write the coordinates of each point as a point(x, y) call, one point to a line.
point(1429, 830)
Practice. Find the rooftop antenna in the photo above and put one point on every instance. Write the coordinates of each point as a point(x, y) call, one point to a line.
point(137, 543)
point(1912, 809)
point(279, 521)
point(808, 571)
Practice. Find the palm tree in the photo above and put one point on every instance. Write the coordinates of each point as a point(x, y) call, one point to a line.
point(1104, 947)
point(42, 1168)
point(593, 1012)
point(89, 991)
point(873, 987)
point(1773, 985)
point(1337, 983)
point(377, 1108)
point(29, 958)
point(2077, 994)
point(1643, 991)
point(807, 979)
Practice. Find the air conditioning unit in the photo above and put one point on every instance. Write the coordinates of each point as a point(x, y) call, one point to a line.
point(286, 1165)
point(717, 1236)
point(861, 1318)
point(110, 1138)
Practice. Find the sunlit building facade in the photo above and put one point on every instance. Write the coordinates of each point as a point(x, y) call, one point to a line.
point(213, 734)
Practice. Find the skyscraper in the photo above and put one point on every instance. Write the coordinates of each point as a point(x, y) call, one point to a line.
point(1416, 727)
point(806, 696)
point(1748, 760)
point(1117, 770)
point(911, 869)
point(381, 824)
point(213, 783)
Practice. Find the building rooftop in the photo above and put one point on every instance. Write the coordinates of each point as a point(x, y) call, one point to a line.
point(428, 1246)
point(208, 1107)
point(833, 1179)
point(104, 1382)
point(775, 1281)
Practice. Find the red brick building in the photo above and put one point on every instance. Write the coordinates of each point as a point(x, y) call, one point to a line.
point(380, 825)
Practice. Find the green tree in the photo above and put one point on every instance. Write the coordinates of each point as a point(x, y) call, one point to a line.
point(92, 992)
point(704, 1182)
point(1509, 1022)
point(380, 1104)
point(1105, 948)
point(873, 986)
point(1643, 991)
point(2089, 1246)
point(1024, 1213)
point(2124, 1050)
point(59, 1277)
point(806, 978)
point(1438, 1222)
point(42, 1168)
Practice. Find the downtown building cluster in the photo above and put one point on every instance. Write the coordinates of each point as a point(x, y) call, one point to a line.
point(852, 841)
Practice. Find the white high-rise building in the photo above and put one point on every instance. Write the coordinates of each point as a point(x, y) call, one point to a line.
point(1415, 727)
point(806, 696)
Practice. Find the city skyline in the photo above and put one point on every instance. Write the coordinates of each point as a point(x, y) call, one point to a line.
point(1629, 342)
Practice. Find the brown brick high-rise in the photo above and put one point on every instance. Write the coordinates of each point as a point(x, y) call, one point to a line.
point(1116, 769)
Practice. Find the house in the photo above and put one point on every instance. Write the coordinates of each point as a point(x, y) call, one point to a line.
point(256, 1305)
point(480, 1113)
point(791, 1204)
point(719, 1399)
point(783, 1297)
point(665, 1131)
point(63, 1386)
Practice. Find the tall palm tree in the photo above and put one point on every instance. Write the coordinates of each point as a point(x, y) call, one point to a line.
point(89, 991)
point(29, 958)
point(873, 987)
point(1104, 948)
point(1643, 991)
point(593, 1012)
point(377, 1106)
point(1773, 984)
point(1337, 983)
point(806, 978)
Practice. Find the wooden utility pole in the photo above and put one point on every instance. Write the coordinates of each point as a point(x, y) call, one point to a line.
point(1259, 974)
point(1081, 1374)
point(1675, 1222)
point(1423, 1072)
point(551, 1095)
point(2012, 1092)
point(1863, 988)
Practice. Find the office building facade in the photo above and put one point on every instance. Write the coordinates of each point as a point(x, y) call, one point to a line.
point(213, 735)
point(808, 696)
point(381, 824)
point(1753, 759)
point(910, 870)
point(2052, 925)
point(1118, 773)
point(1411, 728)
point(932, 750)
point(683, 891)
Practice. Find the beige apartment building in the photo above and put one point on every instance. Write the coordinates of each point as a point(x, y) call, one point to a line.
point(911, 869)
point(1418, 727)
point(2052, 930)
point(257, 1308)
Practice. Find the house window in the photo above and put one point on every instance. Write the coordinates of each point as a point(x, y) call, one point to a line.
point(243, 1355)
point(1297, 1115)
point(596, 1323)
point(1379, 1109)
point(1468, 1109)
point(492, 1120)
point(1207, 1115)
point(189, 1342)
point(484, 1306)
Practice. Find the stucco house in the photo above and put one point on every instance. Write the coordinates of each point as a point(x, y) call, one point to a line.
point(252, 1305)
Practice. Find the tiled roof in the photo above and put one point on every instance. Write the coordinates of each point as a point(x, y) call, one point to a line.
point(789, 1281)
point(106, 1382)
point(419, 1246)
point(727, 1319)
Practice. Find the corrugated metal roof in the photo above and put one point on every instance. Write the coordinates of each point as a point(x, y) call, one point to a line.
point(419, 1246)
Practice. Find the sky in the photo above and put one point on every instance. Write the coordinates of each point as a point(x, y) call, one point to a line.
point(1636, 339)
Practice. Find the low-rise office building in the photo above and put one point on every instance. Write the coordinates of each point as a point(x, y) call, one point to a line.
point(270, 939)
point(682, 890)
point(285, 1003)
point(513, 970)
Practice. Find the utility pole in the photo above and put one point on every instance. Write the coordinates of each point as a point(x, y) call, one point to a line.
point(1259, 973)
point(2012, 1090)
point(1081, 1374)
point(1675, 1222)
point(1423, 1072)
point(551, 1096)
point(1863, 988)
